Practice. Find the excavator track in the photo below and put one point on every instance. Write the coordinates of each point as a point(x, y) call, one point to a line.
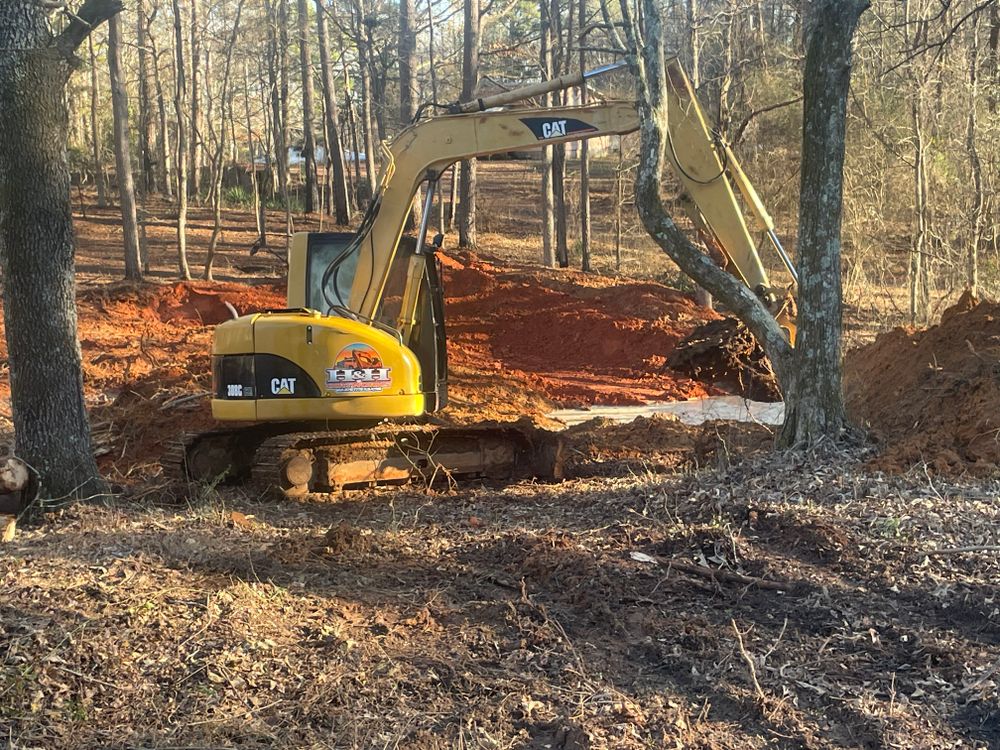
point(305, 461)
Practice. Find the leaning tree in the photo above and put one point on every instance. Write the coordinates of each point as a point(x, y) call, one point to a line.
point(810, 374)
point(52, 435)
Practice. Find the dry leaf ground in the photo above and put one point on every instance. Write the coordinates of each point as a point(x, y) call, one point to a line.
point(512, 617)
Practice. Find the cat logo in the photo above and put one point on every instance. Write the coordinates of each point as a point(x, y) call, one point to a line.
point(553, 129)
point(547, 128)
point(283, 386)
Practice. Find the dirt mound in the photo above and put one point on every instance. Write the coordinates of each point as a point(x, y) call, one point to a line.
point(933, 395)
point(570, 338)
point(184, 302)
point(200, 304)
point(724, 352)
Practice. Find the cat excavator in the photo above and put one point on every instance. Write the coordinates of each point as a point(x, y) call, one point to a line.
point(335, 390)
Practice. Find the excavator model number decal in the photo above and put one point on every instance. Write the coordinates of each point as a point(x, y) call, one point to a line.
point(546, 128)
point(358, 369)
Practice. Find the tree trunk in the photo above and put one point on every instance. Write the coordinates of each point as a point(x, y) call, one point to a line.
point(548, 218)
point(277, 80)
point(918, 248)
point(217, 160)
point(180, 96)
point(308, 137)
point(100, 176)
point(195, 140)
point(407, 48)
point(51, 430)
point(367, 124)
point(407, 61)
point(558, 151)
point(352, 127)
point(434, 97)
point(814, 401)
point(123, 154)
point(340, 202)
point(584, 152)
point(163, 140)
point(146, 129)
point(254, 185)
point(975, 166)
point(702, 297)
point(470, 80)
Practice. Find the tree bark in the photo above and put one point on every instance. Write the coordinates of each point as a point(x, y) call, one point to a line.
point(308, 94)
point(277, 74)
point(470, 80)
point(226, 100)
point(814, 402)
point(180, 97)
point(367, 124)
point(407, 61)
point(975, 166)
point(548, 199)
point(166, 175)
point(254, 183)
point(52, 434)
point(146, 129)
point(123, 154)
point(195, 141)
point(334, 150)
point(100, 176)
point(584, 152)
point(559, 150)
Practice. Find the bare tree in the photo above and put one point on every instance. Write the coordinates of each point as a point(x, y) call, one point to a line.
point(548, 199)
point(308, 94)
point(166, 176)
point(470, 80)
point(813, 393)
point(180, 98)
point(146, 128)
point(226, 103)
point(334, 150)
point(100, 175)
point(584, 150)
point(277, 81)
point(195, 144)
point(51, 430)
point(975, 166)
point(123, 153)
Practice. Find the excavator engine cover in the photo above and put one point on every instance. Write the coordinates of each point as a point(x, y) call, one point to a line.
point(288, 365)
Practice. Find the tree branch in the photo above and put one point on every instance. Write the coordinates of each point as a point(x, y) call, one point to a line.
point(757, 112)
point(91, 15)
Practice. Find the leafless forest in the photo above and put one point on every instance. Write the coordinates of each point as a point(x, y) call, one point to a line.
point(235, 103)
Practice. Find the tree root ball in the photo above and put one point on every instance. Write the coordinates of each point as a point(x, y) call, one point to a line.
point(724, 352)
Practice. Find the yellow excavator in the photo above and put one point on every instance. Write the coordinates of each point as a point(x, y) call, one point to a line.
point(363, 341)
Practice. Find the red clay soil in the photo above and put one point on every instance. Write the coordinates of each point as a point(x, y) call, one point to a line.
point(933, 396)
point(569, 338)
point(147, 363)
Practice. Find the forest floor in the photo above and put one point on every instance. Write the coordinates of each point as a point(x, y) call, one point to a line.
point(692, 589)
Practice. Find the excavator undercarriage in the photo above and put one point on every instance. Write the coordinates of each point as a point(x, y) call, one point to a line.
point(303, 458)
